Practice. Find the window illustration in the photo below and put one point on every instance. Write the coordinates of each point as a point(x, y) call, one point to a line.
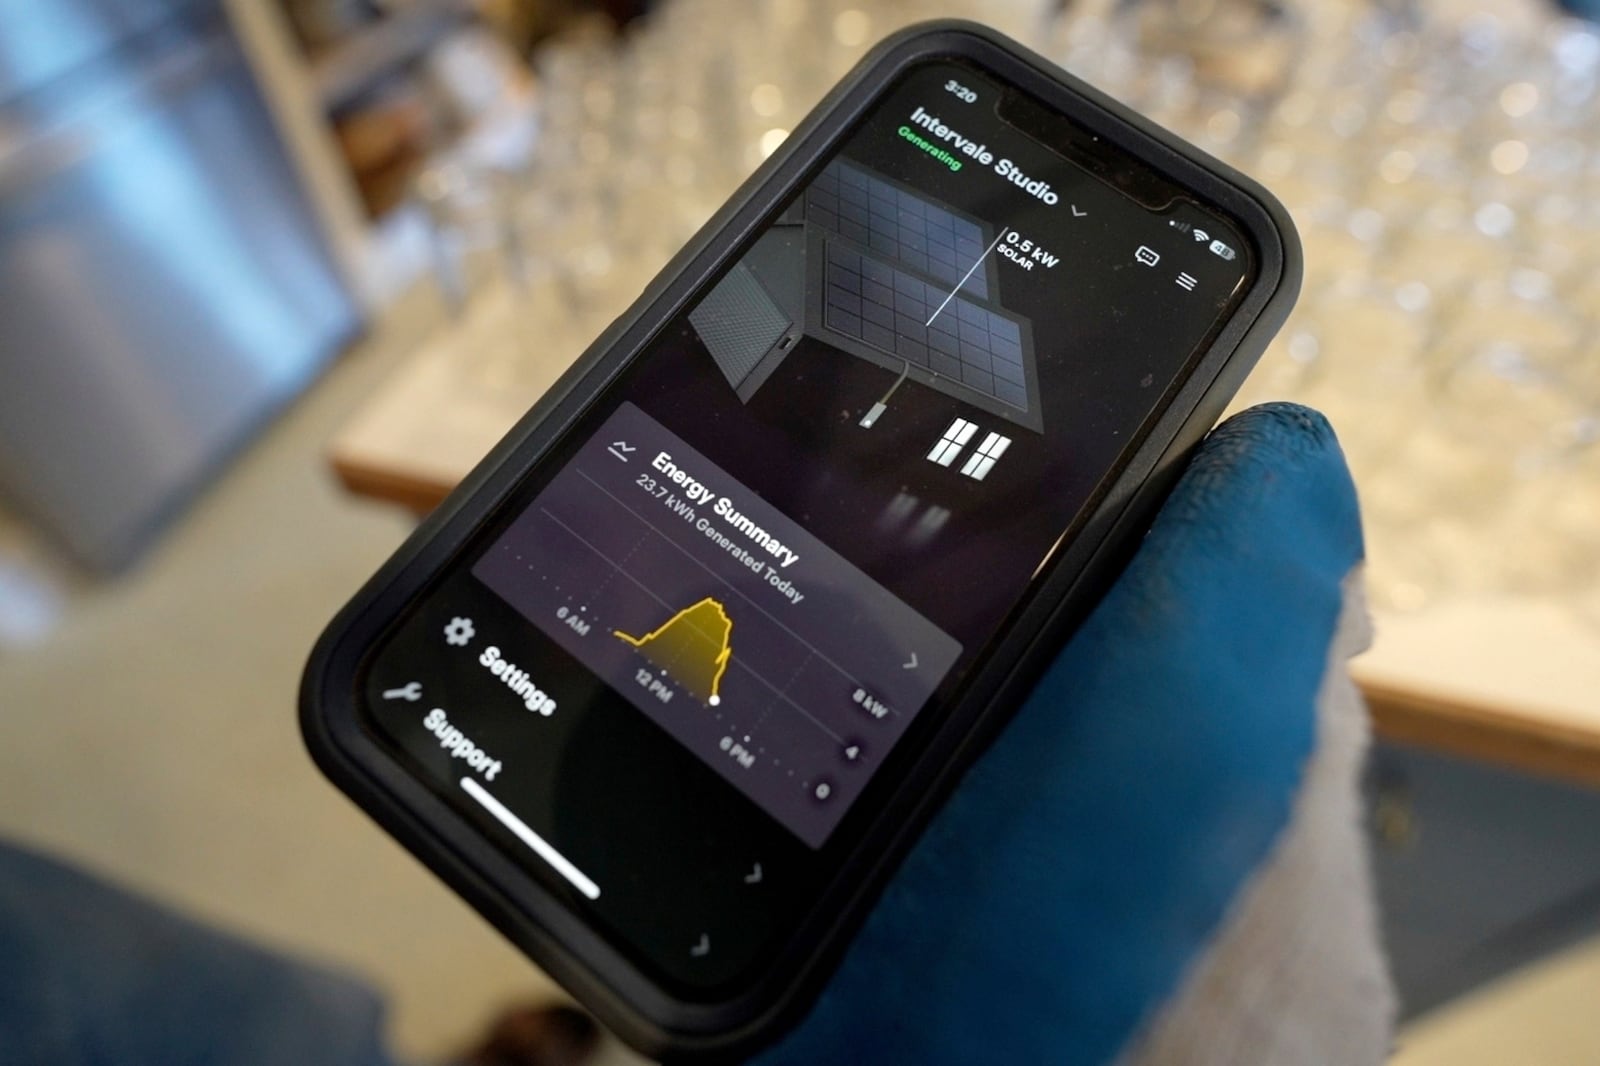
point(955, 438)
point(989, 452)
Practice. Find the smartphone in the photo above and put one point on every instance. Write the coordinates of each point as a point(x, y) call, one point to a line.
point(667, 687)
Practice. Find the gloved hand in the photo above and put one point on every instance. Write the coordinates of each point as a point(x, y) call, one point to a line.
point(1159, 860)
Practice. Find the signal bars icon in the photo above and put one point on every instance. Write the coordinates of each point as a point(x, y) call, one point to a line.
point(1200, 236)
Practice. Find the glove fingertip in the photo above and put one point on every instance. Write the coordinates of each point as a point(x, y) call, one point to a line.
point(1271, 480)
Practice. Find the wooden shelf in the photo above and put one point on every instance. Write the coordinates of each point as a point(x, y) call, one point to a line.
point(342, 74)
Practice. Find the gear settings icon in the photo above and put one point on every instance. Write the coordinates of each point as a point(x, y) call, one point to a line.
point(459, 632)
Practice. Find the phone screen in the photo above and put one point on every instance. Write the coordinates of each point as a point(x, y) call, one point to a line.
point(670, 669)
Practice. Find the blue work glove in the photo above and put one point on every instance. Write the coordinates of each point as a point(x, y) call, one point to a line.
point(1159, 860)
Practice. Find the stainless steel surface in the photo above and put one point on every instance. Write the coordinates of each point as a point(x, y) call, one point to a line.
point(42, 41)
point(163, 288)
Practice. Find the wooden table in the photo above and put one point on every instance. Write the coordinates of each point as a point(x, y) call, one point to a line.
point(1513, 682)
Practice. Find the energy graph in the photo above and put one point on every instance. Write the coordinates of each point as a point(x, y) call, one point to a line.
point(642, 581)
point(691, 647)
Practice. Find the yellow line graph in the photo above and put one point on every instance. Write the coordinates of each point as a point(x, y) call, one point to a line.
point(691, 647)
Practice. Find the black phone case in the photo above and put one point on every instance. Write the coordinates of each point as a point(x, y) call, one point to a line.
point(575, 955)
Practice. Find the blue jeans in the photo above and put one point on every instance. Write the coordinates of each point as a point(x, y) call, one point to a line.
point(91, 975)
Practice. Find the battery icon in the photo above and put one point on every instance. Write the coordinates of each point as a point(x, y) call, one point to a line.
point(1222, 250)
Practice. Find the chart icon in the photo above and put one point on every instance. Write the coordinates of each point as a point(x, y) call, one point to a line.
point(691, 647)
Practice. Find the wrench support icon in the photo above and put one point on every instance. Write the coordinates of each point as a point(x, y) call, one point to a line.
point(411, 692)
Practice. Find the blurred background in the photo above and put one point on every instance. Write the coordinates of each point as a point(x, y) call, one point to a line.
point(275, 273)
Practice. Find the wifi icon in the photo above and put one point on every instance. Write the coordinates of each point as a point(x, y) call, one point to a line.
point(1201, 236)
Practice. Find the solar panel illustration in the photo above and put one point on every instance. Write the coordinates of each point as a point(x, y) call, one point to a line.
point(889, 308)
point(901, 226)
point(882, 274)
point(740, 323)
